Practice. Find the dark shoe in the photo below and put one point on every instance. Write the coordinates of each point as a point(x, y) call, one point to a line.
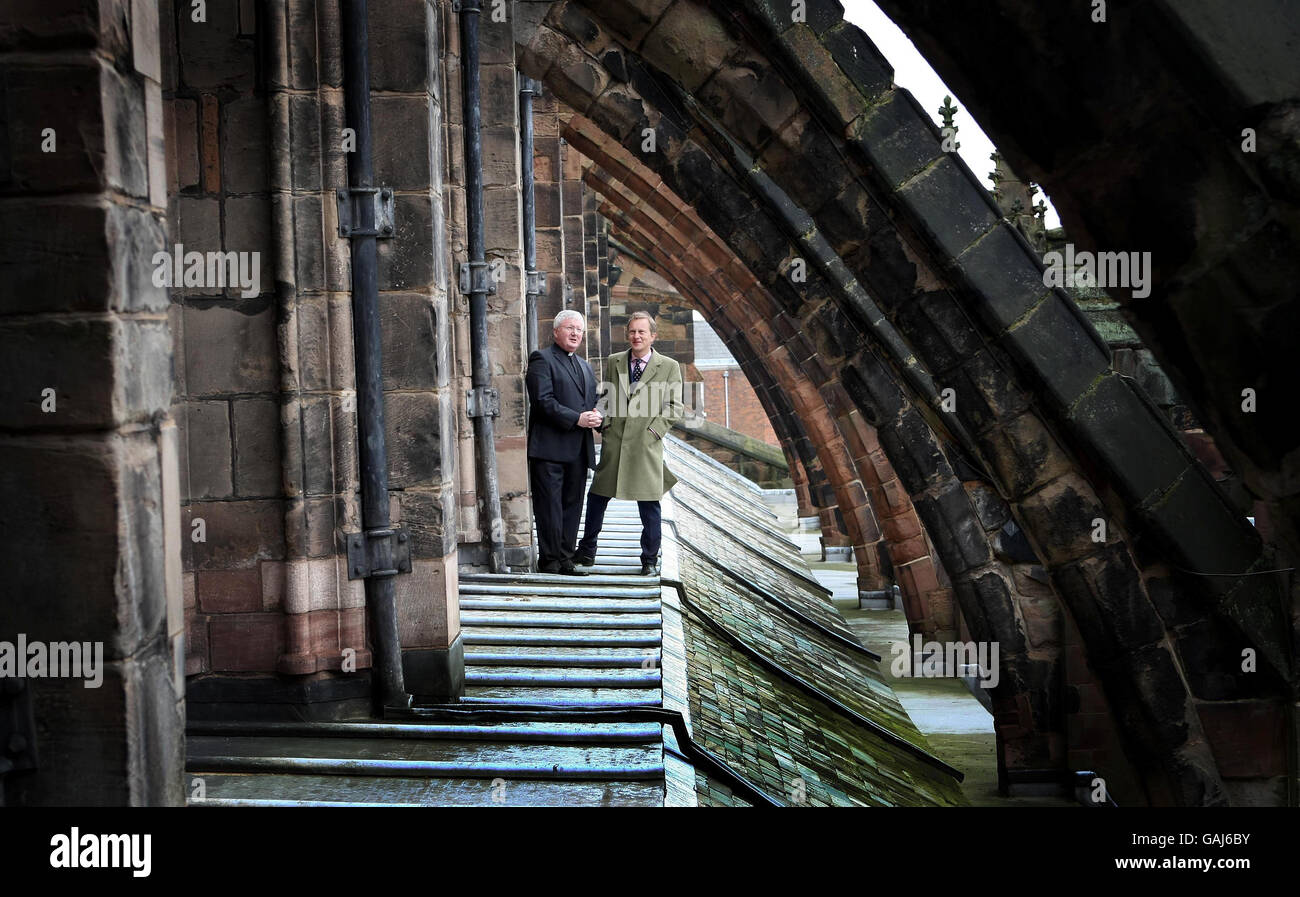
point(583, 560)
point(650, 569)
point(549, 567)
point(567, 568)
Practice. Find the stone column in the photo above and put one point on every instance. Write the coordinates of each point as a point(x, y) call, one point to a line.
point(93, 556)
point(596, 346)
point(502, 202)
point(548, 171)
point(602, 285)
point(409, 104)
point(571, 189)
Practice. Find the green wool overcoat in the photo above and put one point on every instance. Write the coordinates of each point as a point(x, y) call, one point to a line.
point(636, 421)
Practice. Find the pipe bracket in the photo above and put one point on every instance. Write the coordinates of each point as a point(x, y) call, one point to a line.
point(475, 277)
point(363, 548)
point(351, 202)
point(535, 282)
point(482, 400)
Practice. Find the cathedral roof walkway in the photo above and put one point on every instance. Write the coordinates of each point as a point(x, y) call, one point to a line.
point(729, 680)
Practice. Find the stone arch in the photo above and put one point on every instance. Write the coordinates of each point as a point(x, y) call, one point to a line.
point(747, 325)
point(1219, 320)
point(940, 283)
point(1024, 715)
point(862, 529)
point(1022, 704)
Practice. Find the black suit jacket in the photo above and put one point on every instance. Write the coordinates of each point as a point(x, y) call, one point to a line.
point(556, 398)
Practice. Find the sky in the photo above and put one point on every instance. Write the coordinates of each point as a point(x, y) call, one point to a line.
point(913, 72)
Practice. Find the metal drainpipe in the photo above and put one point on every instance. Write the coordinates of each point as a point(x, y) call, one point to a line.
point(535, 281)
point(375, 553)
point(483, 403)
point(726, 396)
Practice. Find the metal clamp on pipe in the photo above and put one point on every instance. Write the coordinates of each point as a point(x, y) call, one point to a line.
point(534, 282)
point(476, 277)
point(365, 212)
point(368, 557)
point(482, 401)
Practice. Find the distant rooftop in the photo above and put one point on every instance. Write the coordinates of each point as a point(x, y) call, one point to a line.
point(710, 351)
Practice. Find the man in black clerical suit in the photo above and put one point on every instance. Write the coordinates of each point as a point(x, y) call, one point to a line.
point(561, 447)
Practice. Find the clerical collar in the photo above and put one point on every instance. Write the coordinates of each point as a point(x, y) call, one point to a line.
point(570, 354)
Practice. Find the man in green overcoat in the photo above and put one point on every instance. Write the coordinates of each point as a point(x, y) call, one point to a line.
point(645, 398)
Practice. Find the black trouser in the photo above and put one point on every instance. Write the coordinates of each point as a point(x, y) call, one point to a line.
point(557, 505)
point(651, 527)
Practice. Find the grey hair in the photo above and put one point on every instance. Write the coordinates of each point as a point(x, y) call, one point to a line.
point(566, 315)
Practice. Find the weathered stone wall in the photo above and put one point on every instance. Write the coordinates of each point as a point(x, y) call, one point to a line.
point(265, 384)
point(90, 527)
point(227, 366)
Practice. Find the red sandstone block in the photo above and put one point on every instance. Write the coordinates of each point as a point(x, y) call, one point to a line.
point(867, 557)
point(352, 628)
point(896, 496)
point(909, 550)
point(866, 523)
point(853, 439)
point(246, 642)
point(1202, 446)
point(923, 576)
point(229, 591)
point(298, 661)
point(1246, 737)
point(914, 608)
point(324, 633)
point(906, 577)
point(900, 528)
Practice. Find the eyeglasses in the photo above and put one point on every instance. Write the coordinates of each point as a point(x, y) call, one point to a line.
point(572, 329)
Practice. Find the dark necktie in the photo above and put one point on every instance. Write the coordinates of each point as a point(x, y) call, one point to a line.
point(636, 369)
